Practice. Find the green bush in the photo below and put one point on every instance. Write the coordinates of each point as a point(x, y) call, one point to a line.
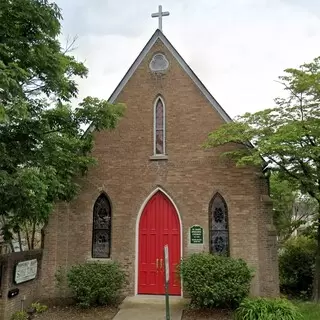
point(296, 266)
point(215, 281)
point(267, 309)
point(96, 283)
point(38, 307)
point(19, 315)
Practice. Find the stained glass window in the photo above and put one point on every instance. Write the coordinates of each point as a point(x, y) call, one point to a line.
point(159, 127)
point(218, 220)
point(101, 238)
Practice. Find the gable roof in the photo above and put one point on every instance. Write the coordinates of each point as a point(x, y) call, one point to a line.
point(159, 35)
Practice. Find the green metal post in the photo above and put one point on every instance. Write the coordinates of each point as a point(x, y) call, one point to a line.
point(167, 302)
point(166, 280)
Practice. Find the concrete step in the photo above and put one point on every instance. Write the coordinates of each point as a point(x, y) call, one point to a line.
point(155, 300)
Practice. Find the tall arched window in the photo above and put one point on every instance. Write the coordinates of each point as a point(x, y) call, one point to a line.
point(218, 225)
point(159, 127)
point(101, 237)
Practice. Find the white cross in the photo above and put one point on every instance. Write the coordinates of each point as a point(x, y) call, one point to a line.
point(159, 15)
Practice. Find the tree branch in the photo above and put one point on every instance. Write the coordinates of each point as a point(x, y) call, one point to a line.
point(288, 88)
point(290, 174)
point(34, 89)
point(70, 44)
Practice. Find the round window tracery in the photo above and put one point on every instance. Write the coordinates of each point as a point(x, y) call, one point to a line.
point(219, 232)
point(159, 62)
point(218, 215)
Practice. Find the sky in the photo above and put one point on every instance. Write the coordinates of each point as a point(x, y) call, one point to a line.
point(238, 48)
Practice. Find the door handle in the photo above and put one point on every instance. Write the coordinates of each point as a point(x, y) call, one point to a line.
point(161, 264)
point(157, 264)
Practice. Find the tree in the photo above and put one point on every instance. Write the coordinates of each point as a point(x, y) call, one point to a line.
point(285, 139)
point(43, 145)
point(291, 209)
point(296, 265)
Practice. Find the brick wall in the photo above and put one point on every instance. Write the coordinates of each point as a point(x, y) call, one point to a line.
point(27, 290)
point(190, 175)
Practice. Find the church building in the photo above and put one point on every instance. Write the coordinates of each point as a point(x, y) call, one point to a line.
point(155, 185)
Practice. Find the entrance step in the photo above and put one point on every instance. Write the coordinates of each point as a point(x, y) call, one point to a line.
point(154, 300)
point(143, 307)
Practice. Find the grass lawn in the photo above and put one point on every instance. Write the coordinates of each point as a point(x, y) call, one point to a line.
point(309, 310)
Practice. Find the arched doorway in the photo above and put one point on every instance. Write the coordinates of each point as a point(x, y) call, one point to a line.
point(159, 225)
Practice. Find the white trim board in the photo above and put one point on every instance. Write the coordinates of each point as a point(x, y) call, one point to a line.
point(159, 35)
point(137, 236)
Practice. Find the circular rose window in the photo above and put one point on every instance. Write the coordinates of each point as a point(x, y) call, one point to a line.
point(159, 62)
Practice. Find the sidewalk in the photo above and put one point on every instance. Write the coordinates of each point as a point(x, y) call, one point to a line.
point(150, 308)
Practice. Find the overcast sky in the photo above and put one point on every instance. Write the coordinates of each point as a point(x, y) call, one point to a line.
point(236, 47)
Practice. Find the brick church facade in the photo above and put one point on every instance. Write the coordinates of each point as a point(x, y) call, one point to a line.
point(154, 181)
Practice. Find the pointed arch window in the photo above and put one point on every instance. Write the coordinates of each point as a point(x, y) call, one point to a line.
point(218, 226)
point(101, 235)
point(159, 127)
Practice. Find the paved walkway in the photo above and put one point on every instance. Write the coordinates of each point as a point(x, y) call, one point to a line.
point(150, 308)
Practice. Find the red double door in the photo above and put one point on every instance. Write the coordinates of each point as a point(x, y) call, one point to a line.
point(159, 226)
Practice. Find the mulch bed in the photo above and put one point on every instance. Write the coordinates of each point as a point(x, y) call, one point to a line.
point(206, 314)
point(76, 313)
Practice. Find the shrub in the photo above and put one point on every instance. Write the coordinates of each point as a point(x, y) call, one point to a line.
point(19, 315)
point(267, 309)
point(296, 266)
point(96, 284)
point(38, 307)
point(215, 281)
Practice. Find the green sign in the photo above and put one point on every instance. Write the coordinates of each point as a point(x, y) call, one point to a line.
point(196, 235)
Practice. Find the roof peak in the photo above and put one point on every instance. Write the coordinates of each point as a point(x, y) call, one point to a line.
point(158, 34)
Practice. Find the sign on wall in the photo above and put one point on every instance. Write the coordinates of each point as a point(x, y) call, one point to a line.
point(25, 271)
point(196, 234)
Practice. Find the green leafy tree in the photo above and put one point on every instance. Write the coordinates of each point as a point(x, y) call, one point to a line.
point(292, 210)
point(43, 146)
point(284, 138)
point(296, 266)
